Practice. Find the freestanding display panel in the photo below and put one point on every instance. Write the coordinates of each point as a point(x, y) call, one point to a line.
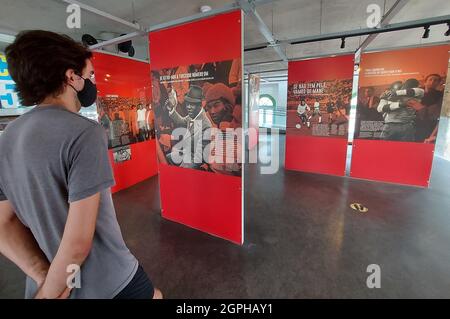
point(399, 105)
point(125, 111)
point(197, 90)
point(253, 110)
point(319, 95)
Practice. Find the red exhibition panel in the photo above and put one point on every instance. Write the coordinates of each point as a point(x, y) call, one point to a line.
point(142, 165)
point(340, 67)
point(318, 109)
point(122, 84)
point(211, 39)
point(394, 162)
point(316, 155)
point(121, 76)
point(207, 202)
point(400, 97)
point(197, 76)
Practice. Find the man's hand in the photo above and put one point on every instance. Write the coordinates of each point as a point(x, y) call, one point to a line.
point(387, 95)
point(430, 140)
point(42, 295)
point(168, 105)
point(416, 105)
point(173, 97)
point(75, 245)
point(40, 278)
point(18, 244)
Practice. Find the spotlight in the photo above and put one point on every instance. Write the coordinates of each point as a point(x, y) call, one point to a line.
point(426, 33)
point(342, 43)
point(204, 9)
point(448, 31)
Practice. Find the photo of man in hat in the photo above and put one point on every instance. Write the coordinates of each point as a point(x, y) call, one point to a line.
point(196, 123)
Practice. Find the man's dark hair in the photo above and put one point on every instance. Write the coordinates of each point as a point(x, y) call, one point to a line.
point(155, 74)
point(433, 74)
point(38, 60)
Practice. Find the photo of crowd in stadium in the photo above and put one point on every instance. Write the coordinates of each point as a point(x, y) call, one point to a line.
point(126, 120)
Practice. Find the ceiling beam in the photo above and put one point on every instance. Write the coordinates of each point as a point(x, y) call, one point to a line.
point(165, 25)
point(387, 18)
point(262, 2)
point(201, 15)
point(268, 71)
point(249, 7)
point(263, 62)
point(117, 40)
point(387, 28)
point(104, 14)
point(359, 32)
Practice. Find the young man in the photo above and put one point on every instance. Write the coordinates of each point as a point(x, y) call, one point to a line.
point(429, 109)
point(302, 112)
point(56, 210)
point(142, 123)
point(316, 111)
point(399, 116)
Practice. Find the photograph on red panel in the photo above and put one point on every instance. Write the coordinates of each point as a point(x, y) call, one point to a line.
point(254, 82)
point(126, 120)
point(319, 108)
point(400, 94)
point(198, 116)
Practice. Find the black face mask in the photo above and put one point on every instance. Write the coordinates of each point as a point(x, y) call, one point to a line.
point(88, 95)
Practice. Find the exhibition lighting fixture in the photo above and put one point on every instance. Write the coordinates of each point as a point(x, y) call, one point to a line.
point(448, 31)
point(342, 43)
point(423, 23)
point(204, 9)
point(426, 33)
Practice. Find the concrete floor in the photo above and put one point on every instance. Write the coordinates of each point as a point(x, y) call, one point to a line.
point(302, 241)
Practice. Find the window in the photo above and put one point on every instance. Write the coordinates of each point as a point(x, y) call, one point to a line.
point(267, 101)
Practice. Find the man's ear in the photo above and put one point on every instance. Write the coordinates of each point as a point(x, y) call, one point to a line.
point(70, 77)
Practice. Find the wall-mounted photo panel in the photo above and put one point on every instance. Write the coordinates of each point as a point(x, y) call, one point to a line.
point(400, 98)
point(124, 108)
point(197, 98)
point(318, 110)
point(253, 109)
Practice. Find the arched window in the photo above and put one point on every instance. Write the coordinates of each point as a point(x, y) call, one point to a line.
point(267, 105)
point(267, 101)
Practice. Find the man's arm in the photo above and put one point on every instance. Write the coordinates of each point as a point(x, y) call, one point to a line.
point(177, 118)
point(386, 106)
point(18, 244)
point(433, 136)
point(75, 245)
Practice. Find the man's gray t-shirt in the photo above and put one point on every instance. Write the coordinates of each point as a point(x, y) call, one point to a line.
point(50, 157)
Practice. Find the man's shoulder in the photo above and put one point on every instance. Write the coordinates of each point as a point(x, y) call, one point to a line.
point(75, 117)
point(57, 119)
